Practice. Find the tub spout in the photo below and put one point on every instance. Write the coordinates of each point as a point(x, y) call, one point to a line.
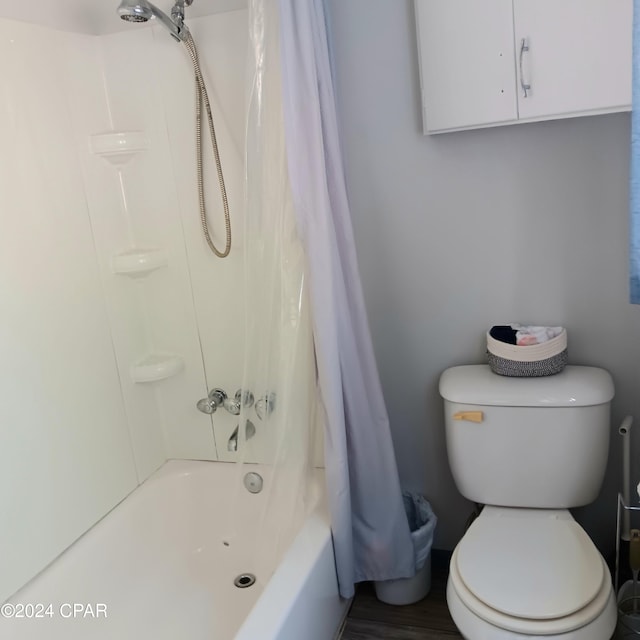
point(249, 432)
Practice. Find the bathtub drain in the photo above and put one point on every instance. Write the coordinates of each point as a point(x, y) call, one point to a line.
point(244, 580)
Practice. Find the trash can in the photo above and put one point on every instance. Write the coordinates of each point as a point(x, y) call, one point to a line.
point(422, 524)
point(628, 627)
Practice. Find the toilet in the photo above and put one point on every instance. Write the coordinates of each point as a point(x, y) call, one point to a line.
point(528, 449)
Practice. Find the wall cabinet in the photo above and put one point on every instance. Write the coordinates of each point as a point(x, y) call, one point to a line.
point(493, 62)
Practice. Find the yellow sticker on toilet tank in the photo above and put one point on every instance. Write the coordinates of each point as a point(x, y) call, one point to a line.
point(469, 416)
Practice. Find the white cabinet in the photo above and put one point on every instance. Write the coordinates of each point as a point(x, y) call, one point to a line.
point(491, 62)
point(579, 56)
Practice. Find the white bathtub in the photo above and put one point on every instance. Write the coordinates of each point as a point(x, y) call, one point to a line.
point(161, 566)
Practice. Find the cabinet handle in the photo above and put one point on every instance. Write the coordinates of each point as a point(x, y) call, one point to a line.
point(524, 48)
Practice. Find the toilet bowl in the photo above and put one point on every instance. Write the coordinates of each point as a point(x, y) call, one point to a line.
point(520, 573)
point(528, 449)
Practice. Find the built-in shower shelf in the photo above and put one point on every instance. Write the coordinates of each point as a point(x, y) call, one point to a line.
point(138, 263)
point(156, 367)
point(118, 147)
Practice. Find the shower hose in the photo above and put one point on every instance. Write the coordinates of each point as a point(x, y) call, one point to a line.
point(203, 99)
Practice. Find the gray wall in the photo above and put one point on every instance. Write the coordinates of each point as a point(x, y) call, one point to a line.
point(458, 232)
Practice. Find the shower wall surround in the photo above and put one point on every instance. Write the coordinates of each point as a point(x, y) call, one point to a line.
point(65, 456)
point(136, 208)
point(78, 432)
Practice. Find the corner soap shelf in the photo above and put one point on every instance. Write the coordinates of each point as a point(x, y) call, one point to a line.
point(118, 147)
point(155, 367)
point(138, 263)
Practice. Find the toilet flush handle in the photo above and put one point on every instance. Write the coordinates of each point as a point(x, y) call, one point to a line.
point(469, 416)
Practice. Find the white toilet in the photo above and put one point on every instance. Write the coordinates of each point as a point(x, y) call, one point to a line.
point(528, 449)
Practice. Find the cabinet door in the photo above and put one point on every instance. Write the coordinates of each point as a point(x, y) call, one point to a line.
point(466, 63)
point(578, 58)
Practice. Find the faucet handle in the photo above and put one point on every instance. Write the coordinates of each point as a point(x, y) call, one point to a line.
point(218, 398)
point(240, 399)
point(265, 405)
point(210, 404)
point(206, 406)
point(232, 406)
point(245, 397)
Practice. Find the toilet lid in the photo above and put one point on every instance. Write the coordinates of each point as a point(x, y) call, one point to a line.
point(530, 564)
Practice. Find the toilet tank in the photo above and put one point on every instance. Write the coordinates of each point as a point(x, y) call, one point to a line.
point(527, 442)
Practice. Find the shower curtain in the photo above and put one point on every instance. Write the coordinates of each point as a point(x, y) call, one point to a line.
point(371, 535)
point(634, 248)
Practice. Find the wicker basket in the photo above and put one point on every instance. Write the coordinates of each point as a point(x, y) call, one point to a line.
point(532, 361)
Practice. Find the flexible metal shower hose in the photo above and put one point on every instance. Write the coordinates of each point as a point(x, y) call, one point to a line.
point(203, 98)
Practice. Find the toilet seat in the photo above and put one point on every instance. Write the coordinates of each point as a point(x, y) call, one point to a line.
point(473, 627)
point(530, 571)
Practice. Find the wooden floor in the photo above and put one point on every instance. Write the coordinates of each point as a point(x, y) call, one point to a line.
point(370, 619)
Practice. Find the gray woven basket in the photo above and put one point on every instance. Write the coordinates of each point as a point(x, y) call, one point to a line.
point(516, 369)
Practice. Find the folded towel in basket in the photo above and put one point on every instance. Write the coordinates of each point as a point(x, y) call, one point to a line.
point(528, 335)
point(523, 335)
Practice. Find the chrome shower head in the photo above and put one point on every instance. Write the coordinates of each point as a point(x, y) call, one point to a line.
point(135, 11)
point(143, 11)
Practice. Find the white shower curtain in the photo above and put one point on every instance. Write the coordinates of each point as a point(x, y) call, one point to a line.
point(371, 535)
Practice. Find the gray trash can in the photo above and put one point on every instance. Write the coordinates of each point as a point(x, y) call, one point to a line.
point(422, 524)
point(628, 627)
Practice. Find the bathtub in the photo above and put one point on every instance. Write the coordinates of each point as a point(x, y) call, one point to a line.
point(161, 566)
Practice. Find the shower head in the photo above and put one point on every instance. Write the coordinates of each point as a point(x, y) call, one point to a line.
point(135, 11)
point(143, 11)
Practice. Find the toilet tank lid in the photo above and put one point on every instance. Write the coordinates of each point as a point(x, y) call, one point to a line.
point(574, 387)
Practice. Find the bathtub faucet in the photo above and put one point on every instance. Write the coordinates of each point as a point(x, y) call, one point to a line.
point(218, 398)
point(249, 432)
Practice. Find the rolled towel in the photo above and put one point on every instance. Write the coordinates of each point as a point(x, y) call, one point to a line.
point(503, 332)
